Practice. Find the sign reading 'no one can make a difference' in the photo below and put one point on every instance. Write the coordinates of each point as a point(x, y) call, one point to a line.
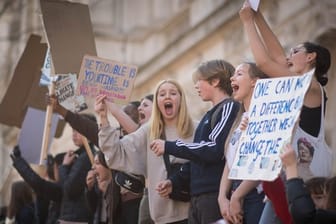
point(102, 76)
point(275, 107)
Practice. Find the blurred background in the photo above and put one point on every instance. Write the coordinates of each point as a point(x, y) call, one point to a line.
point(166, 40)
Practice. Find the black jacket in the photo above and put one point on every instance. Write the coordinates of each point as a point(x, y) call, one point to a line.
point(74, 206)
point(206, 152)
point(48, 193)
point(302, 207)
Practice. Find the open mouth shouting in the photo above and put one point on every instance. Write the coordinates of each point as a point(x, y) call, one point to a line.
point(169, 110)
point(142, 116)
point(235, 88)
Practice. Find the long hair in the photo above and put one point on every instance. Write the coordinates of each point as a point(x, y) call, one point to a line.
point(21, 195)
point(184, 122)
point(322, 61)
point(101, 158)
point(254, 73)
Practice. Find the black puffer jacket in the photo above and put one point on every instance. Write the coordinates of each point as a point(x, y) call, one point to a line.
point(74, 206)
point(302, 207)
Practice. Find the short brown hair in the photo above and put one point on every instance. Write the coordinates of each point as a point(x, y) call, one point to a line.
point(216, 69)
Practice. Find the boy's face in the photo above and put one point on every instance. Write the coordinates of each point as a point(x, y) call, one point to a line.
point(320, 200)
point(204, 89)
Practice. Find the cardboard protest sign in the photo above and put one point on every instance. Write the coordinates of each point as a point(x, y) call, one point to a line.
point(65, 92)
point(102, 76)
point(24, 88)
point(69, 31)
point(273, 112)
point(31, 133)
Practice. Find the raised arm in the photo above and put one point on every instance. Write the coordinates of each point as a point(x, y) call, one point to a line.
point(101, 108)
point(43, 188)
point(271, 42)
point(80, 123)
point(124, 119)
point(263, 58)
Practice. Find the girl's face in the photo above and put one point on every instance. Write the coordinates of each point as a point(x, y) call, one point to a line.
point(299, 61)
point(204, 89)
point(168, 101)
point(102, 173)
point(145, 110)
point(242, 84)
point(77, 138)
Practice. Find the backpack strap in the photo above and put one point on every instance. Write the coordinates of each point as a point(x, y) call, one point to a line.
point(215, 114)
point(167, 163)
point(166, 157)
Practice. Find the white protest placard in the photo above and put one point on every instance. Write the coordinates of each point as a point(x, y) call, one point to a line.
point(254, 4)
point(65, 90)
point(273, 112)
point(30, 138)
point(46, 78)
point(102, 76)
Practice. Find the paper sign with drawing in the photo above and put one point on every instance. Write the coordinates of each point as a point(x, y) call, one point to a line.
point(65, 90)
point(274, 110)
point(102, 76)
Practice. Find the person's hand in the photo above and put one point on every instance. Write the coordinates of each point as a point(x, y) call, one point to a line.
point(236, 211)
point(158, 147)
point(224, 206)
point(288, 157)
point(289, 161)
point(243, 123)
point(164, 188)
point(246, 13)
point(90, 179)
point(100, 105)
point(16, 153)
point(69, 157)
point(53, 101)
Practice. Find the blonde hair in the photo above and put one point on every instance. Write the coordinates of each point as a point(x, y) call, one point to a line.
point(185, 125)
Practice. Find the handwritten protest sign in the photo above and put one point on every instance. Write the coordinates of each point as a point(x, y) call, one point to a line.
point(273, 112)
point(102, 76)
point(65, 90)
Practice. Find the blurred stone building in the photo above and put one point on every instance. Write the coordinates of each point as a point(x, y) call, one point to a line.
point(166, 40)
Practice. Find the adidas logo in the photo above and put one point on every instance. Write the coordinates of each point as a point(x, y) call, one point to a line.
point(127, 184)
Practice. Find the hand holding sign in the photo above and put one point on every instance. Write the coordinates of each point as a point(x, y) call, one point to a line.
point(100, 105)
point(246, 13)
point(275, 107)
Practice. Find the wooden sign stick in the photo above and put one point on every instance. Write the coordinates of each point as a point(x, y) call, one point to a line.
point(47, 126)
point(88, 149)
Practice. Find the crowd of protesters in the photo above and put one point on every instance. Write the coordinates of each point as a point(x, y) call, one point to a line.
point(130, 179)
